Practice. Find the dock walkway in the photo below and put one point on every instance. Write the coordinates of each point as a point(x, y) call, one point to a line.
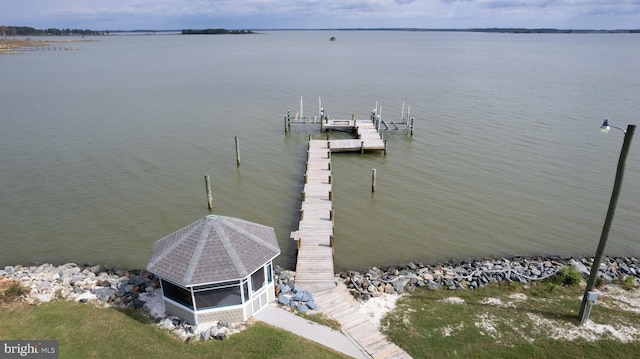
point(315, 242)
point(314, 268)
point(369, 138)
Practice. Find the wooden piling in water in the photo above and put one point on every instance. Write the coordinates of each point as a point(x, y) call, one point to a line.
point(237, 151)
point(207, 184)
point(287, 122)
point(373, 180)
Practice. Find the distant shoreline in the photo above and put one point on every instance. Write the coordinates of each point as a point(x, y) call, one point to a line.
point(217, 32)
point(30, 31)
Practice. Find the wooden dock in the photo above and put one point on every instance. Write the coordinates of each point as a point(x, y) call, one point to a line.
point(354, 325)
point(368, 137)
point(315, 242)
point(377, 123)
point(314, 268)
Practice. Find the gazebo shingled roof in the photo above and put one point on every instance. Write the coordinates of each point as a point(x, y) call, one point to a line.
point(213, 249)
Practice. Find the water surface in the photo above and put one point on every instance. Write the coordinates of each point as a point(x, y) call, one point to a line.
point(104, 148)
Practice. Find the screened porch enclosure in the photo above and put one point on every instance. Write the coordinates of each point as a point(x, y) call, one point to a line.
point(218, 268)
point(218, 295)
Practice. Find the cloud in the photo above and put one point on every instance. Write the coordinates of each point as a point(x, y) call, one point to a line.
point(176, 14)
point(403, 2)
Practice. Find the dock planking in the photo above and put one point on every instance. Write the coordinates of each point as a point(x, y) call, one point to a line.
point(314, 266)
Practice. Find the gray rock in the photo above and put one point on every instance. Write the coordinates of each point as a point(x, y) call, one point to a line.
point(606, 278)
point(389, 289)
point(297, 296)
point(580, 267)
point(205, 335)
point(306, 297)
point(103, 294)
point(284, 299)
point(166, 323)
point(285, 288)
point(137, 304)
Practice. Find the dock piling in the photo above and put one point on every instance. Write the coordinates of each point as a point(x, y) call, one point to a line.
point(207, 184)
point(373, 180)
point(237, 151)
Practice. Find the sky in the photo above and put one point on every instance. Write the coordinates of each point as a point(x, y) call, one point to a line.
point(319, 14)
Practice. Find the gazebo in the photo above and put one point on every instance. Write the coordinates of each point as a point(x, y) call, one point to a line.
point(218, 268)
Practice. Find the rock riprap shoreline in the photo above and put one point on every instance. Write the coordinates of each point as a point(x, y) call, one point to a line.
point(475, 274)
point(69, 281)
point(141, 289)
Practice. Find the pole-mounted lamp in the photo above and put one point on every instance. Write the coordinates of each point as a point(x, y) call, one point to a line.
point(590, 297)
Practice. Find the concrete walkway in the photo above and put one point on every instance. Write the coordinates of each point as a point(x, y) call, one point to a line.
point(281, 318)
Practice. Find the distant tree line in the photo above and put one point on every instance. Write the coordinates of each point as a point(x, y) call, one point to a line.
point(30, 31)
point(215, 32)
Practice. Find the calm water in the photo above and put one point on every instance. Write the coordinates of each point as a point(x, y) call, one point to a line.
point(104, 148)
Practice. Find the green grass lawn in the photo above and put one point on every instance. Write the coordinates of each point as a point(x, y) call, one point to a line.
point(501, 321)
point(85, 331)
point(508, 321)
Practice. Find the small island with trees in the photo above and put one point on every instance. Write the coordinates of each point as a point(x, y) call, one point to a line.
point(216, 32)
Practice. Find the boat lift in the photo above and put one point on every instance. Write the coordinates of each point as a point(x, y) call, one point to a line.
point(405, 123)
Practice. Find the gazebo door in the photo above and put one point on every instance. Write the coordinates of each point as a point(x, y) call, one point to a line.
point(259, 287)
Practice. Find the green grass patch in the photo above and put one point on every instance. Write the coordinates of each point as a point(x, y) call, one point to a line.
point(85, 331)
point(567, 276)
point(321, 319)
point(505, 321)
